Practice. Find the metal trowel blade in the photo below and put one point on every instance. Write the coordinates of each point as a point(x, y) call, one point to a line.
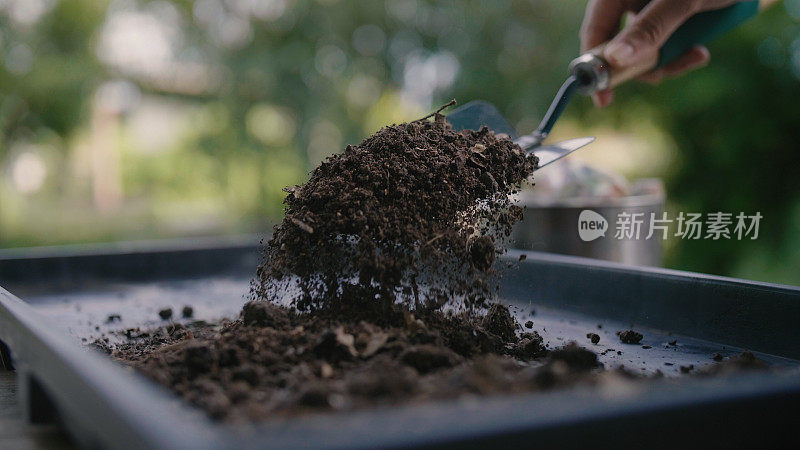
point(478, 113)
point(549, 153)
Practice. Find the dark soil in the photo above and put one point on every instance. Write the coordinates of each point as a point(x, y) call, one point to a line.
point(165, 314)
point(372, 247)
point(734, 364)
point(415, 204)
point(113, 318)
point(276, 360)
point(630, 337)
point(594, 337)
point(386, 257)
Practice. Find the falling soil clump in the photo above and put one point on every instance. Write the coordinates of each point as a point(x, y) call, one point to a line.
point(594, 337)
point(415, 213)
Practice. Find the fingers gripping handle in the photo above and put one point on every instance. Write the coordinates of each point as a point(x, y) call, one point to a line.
point(705, 27)
point(594, 73)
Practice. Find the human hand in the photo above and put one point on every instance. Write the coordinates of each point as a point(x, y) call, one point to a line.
point(653, 23)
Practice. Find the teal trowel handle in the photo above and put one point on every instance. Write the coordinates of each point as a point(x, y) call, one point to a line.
point(593, 73)
point(704, 27)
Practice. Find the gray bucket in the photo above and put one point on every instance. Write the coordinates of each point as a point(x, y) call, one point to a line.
point(551, 225)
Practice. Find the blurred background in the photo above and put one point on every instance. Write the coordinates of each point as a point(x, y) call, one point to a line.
point(125, 120)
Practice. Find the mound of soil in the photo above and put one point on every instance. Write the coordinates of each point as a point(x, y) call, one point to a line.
point(274, 360)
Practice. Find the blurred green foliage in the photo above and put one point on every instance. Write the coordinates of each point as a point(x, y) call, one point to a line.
point(737, 128)
point(209, 108)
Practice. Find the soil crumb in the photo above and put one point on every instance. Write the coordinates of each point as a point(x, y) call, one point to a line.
point(165, 314)
point(594, 337)
point(113, 318)
point(630, 337)
point(734, 364)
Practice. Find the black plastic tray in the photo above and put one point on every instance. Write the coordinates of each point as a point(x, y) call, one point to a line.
point(70, 291)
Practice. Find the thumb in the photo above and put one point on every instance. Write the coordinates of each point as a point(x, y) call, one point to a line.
point(649, 31)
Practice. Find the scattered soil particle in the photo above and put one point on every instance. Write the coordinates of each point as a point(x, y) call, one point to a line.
point(629, 337)
point(646, 347)
point(165, 313)
point(717, 357)
point(523, 257)
point(187, 312)
point(687, 369)
point(673, 342)
point(743, 361)
point(594, 337)
point(113, 318)
point(529, 324)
